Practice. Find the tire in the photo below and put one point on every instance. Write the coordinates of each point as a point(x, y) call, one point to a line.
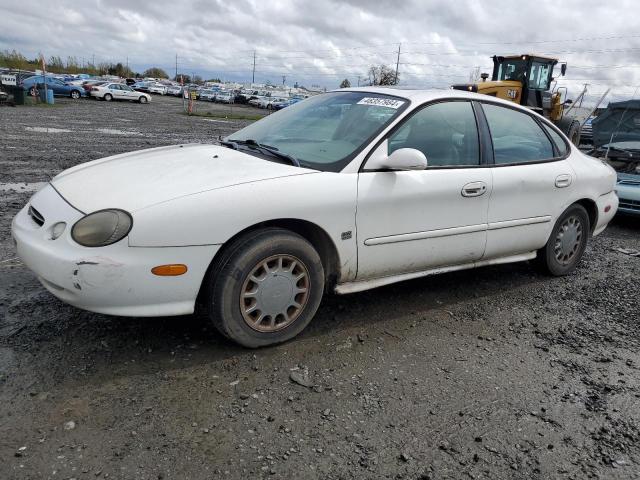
point(107, 97)
point(228, 288)
point(567, 242)
point(33, 91)
point(75, 94)
point(571, 128)
point(143, 99)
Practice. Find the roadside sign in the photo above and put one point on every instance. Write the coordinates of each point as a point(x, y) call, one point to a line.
point(8, 79)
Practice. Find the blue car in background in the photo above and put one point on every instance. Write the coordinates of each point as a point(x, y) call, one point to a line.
point(628, 190)
point(58, 87)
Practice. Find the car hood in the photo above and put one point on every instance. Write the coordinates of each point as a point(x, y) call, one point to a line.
point(132, 181)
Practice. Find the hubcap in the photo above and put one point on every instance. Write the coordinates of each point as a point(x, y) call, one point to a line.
point(275, 293)
point(568, 240)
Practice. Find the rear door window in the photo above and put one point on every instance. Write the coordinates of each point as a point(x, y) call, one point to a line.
point(517, 137)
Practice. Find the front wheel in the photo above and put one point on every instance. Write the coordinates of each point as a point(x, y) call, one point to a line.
point(568, 240)
point(143, 99)
point(75, 94)
point(266, 287)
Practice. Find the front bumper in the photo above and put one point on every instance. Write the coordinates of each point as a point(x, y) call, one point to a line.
point(629, 194)
point(115, 279)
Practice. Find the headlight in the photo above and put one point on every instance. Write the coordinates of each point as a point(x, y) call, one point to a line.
point(102, 228)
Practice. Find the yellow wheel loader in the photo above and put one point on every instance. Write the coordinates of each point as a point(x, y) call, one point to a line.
point(526, 80)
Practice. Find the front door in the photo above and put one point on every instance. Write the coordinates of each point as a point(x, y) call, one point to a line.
point(412, 221)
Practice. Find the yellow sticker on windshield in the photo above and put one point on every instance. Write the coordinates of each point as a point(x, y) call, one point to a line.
point(381, 102)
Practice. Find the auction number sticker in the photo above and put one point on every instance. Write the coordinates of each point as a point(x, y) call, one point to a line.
point(381, 102)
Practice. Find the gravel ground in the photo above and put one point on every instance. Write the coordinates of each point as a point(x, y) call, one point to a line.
point(496, 373)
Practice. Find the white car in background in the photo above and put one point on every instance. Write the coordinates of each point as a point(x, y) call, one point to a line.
point(175, 90)
point(157, 88)
point(224, 97)
point(118, 91)
point(345, 191)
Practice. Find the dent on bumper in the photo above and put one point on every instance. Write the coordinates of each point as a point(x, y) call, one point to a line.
point(116, 279)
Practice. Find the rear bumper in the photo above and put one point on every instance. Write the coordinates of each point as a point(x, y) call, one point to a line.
point(607, 206)
point(116, 279)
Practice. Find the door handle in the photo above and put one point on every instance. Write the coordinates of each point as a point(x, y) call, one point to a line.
point(563, 180)
point(474, 189)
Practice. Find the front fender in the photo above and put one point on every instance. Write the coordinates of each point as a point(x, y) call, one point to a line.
point(327, 200)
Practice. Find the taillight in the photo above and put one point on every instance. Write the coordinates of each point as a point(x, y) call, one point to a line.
point(94, 89)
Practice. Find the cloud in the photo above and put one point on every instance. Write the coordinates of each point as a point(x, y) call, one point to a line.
point(324, 41)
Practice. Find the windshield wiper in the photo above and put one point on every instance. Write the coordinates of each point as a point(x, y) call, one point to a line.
point(227, 143)
point(267, 148)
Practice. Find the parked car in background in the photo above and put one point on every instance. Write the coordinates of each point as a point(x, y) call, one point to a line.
point(586, 133)
point(207, 95)
point(87, 84)
point(141, 87)
point(118, 91)
point(58, 87)
point(279, 105)
point(175, 90)
point(413, 192)
point(130, 81)
point(224, 97)
point(255, 101)
point(157, 88)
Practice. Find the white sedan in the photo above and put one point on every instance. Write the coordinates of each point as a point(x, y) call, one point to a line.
point(158, 88)
point(342, 192)
point(118, 91)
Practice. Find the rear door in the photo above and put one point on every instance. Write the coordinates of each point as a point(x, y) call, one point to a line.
point(532, 180)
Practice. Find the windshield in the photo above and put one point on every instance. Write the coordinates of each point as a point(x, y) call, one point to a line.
point(327, 131)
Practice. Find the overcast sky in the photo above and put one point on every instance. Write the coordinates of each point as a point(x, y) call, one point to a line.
point(321, 42)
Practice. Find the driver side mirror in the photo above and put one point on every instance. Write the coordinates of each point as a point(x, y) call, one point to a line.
point(399, 160)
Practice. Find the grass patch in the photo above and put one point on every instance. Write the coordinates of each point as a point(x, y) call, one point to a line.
point(226, 116)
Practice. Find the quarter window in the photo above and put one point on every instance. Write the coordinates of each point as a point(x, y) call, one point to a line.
point(517, 138)
point(445, 132)
point(561, 144)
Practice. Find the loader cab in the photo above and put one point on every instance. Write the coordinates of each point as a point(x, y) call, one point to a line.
point(534, 73)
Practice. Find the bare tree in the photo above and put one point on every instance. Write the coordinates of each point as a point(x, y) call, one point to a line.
point(345, 83)
point(382, 75)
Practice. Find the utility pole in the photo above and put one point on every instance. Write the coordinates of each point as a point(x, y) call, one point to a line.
point(284, 78)
point(127, 64)
point(176, 77)
point(397, 64)
point(93, 60)
point(253, 75)
point(358, 80)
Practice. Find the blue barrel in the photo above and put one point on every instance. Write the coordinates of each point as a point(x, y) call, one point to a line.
point(49, 98)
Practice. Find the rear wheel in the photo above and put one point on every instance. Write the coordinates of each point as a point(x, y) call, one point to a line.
point(265, 288)
point(568, 240)
point(107, 97)
point(33, 91)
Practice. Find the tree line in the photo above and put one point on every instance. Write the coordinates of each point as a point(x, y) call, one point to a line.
point(376, 75)
point(55, 64)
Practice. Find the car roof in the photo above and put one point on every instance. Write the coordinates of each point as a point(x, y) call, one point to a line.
point(419, 96)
